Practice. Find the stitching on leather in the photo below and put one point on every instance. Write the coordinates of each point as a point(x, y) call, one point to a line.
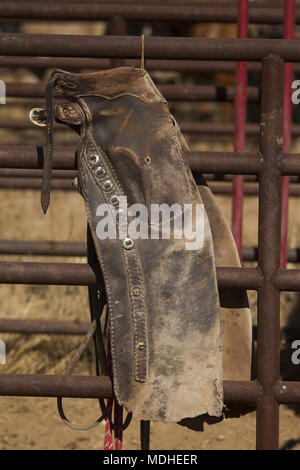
point(181, 157)
point(134, 274)
point(106, 278)
point(111, 98)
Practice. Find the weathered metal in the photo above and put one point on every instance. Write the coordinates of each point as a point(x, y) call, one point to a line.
point(80, 386)
point(250, 189)
point(59, 45)
point(240, 105)
point(246, 163)
point(64, 159)
point(268, 303)
point(38, 385)
point(35, 183)
point(44, 248)
point(82, 275)
point(289, 28)
point(49, 327)
point(270, 164)
point(156, 12)
point(75, 63)
point(76, 249)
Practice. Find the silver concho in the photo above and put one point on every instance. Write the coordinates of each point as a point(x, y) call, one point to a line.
point(128, 243)
point(107, 185)
point(114, 200)
point(93, 158)
point(100, 172)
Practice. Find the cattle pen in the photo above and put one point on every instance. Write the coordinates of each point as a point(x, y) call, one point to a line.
point(272, 172)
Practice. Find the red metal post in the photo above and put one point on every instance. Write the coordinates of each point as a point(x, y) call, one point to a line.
point(239, 128)
point(289, 28)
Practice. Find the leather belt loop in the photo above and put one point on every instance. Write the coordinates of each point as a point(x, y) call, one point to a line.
point(48, 157)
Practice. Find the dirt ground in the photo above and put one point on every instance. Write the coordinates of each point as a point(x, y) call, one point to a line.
point(33, 423)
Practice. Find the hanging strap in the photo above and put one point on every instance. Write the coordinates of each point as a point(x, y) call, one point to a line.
point(145, 435)
point(97, 303)
point(48, 157)
point(71, 365)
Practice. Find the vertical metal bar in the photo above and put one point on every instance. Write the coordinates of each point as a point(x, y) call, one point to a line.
point(239, 128)
point(268, 321)
point(289, 28)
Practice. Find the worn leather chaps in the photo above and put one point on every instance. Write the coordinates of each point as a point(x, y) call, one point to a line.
point(174, 335)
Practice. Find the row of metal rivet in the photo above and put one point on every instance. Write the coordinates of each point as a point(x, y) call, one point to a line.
point(107, 186)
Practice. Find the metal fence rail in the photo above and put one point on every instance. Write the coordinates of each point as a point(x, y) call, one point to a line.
point(78, 249)
point(129, 47)
point(182, 13)
point(267, 392)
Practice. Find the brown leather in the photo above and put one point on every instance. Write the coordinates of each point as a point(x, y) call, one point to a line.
point(172, 343)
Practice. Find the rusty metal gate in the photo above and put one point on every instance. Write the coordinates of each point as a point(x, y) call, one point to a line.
point(269, 164)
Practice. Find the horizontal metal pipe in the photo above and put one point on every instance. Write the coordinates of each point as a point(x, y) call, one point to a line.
point(249, 253)
point(78, 249)
point(207, 162)
point(43, 248)
point(290, 164)
point(61, 45)
point(64, 158)
point(64, 184)
point(74, 63)
point(191, 128)
point(288, 280)
point(83, 275)
point(171, 92)
point(288, 392)
point(224, 162)
point(80, 386)
point(94, 12)
point(250, 189)
point(35, 183)
point(32, 157)
point(38, 385)
point(18, 123)
point(61, 327)
point(24, 173)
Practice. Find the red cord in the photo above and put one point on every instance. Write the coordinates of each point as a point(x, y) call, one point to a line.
point(118, 413)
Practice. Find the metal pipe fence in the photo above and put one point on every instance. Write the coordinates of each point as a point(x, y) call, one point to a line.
point(95, 12)
point(268, 279)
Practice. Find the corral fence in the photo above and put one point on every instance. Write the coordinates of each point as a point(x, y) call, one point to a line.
point(268, 166)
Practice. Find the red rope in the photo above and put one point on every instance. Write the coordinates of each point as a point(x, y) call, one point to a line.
point(118, 413)
point(289, 29)
point(240, 109)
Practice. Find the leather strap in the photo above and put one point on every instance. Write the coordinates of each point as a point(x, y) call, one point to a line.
point(48, 157)
point(97, 302)
point(145, 435)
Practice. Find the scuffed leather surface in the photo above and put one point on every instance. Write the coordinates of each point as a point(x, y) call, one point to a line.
point(126, 119)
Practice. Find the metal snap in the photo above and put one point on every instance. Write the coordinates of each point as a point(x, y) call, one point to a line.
point(100, 172)
point(114, 200)
point(93, 158)
point(140, 345)
point(107, 185)
point(128, 243)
